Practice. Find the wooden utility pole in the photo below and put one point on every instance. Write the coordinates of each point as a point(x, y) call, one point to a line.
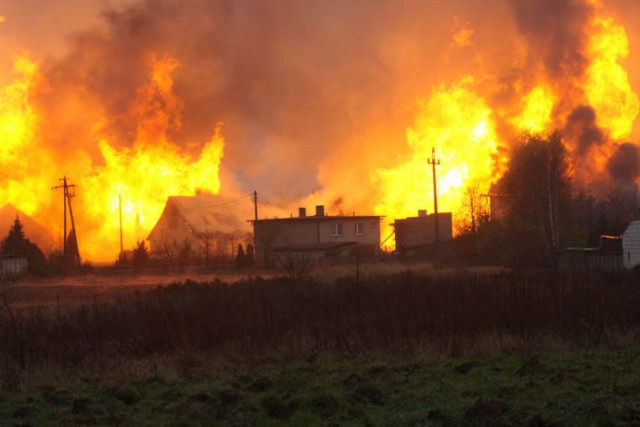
point(435, 162)
point(120, 212)
point(255, 205)
point(68, 193)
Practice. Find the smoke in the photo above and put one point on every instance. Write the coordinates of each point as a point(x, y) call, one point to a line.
point(581, 127)
point(555, 32)
point(624, 164)
point(290, 81)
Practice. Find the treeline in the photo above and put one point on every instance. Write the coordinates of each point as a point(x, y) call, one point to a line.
point(542, 204)
point(286, 319)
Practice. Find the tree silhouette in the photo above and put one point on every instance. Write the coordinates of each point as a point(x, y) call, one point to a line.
point(241, 258)
point(18, 245)
point(537, 195)
point(140, 254)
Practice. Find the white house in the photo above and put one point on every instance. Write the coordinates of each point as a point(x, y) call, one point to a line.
point(631, 245)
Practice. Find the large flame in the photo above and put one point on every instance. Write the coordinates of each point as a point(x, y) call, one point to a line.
point(140, 178)
point(136, 179)
point(26, 164)
point(607, 86)
point(459, 123)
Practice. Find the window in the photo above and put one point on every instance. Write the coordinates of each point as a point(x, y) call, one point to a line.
point(335, 230)
point(359, 228)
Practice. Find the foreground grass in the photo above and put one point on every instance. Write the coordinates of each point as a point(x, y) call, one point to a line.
point(598, 387)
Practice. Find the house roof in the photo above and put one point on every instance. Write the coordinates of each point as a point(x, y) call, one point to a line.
point(205, 214)
point(320, 218)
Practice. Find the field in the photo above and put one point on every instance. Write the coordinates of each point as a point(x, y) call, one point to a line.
point(353, 346)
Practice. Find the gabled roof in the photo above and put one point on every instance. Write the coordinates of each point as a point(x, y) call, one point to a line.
point(203, 214)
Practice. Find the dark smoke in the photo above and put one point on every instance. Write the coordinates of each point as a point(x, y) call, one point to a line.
point(624, 164)
point(554, 30)
point(289, 80)
point(581, 128)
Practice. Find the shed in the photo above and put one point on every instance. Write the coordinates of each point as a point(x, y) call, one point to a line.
point(631, 244)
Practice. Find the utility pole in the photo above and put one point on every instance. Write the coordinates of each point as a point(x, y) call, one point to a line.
point(435, 162)
point(120, 211)
point(68, 193)
point(255, 205)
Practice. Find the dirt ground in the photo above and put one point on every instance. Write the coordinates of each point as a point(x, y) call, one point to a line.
point(100, 286)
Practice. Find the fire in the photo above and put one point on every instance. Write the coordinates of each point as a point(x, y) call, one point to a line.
point(607, 86)
point(25, 162)
point(139, 179)
point(536, 114)
point(459, 124)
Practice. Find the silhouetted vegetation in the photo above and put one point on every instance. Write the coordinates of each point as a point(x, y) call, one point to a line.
point(286, 318)
point(536, 209)
point(140, 254)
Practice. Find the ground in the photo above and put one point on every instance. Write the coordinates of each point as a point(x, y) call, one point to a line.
point(535, 389)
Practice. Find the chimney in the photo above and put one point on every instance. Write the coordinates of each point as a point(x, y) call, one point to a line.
point(422, 212)
point(319, 210)
point(302, 212)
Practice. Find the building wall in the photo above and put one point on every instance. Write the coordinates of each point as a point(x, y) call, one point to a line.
point(631, 245)
point(419, 231)
point(270, 234)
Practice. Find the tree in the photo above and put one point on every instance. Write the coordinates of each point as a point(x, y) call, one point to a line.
point(537, 189)
point(140, 254)
point(475, 207)
point(251, 258)
point(241, 258)
point(17, 244)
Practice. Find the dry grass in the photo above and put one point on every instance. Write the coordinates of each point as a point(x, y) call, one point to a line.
point(422, 313)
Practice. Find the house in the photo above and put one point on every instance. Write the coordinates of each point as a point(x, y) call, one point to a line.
point(416, 235)
point(631, 245)
point(200, 226)
point(315, 238)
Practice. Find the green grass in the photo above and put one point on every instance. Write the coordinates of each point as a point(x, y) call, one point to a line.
point(597, 387)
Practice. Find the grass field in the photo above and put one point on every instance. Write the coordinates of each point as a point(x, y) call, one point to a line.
point(395, 347)
point(569, 388)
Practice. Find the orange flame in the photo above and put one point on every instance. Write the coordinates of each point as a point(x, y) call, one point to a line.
point(459, 124)
point(142, 175)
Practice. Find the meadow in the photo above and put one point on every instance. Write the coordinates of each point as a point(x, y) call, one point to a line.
point(359, 345)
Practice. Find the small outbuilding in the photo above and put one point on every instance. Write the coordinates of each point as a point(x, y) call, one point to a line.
point(416, 236)
point(631, 245)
